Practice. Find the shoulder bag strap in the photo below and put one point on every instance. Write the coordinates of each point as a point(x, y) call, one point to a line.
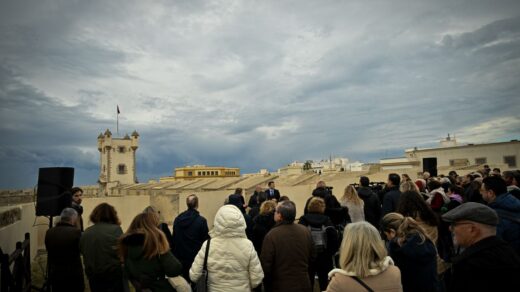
point(362, 283)
point(205, 267)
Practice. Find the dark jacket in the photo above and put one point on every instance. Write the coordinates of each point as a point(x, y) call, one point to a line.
point(166, 230)
point(390, 200)
point(253, 200)
point(322, 264)
point(78, 209)
point(275, 195)
point(317, 220)
point(417, 262)
point(372, 205)
point(262, 224)
point(98, 246)
point(488, 265)
point(286, 266)
point(150, 273)
point(337, 214)
point(190, 230)
point(65, 268)
point(508, 210)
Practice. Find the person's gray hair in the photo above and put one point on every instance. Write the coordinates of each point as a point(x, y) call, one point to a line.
point(287, 210)
point(68, 215)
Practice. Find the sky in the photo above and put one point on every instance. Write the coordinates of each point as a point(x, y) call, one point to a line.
point(250, 84)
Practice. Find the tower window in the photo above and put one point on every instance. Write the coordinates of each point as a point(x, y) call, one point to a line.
point(121, 169)
point(121, 149)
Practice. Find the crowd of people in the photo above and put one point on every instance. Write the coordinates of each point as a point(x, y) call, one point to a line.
point(446, 233)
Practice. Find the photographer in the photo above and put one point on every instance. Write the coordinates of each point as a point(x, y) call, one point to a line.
point(372, 206)
point(391, 193)
point(338, 215)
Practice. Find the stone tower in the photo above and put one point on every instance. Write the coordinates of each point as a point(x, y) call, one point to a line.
point(117, 160)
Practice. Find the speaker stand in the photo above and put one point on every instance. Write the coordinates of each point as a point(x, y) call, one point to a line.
point(46, 285)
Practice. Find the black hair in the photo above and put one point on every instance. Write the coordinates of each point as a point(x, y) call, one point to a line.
point(412, 204)
point(364, 181)
point(496, 184)
point(395, 179)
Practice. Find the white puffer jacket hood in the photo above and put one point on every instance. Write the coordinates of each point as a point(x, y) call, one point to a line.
point(233, 265)
point(229, 222)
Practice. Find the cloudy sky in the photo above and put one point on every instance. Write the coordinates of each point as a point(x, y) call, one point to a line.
point(251, 84)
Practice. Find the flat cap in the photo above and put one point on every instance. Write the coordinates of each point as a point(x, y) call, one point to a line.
point(472, 211)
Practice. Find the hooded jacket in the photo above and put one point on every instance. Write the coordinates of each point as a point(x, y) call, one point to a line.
point(507, 228)
point(233, 263)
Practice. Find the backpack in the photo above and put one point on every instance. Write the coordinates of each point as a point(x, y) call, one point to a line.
point(319, 238)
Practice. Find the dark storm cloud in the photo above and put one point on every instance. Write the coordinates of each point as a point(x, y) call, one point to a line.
point(253, 84)
point(37, 132)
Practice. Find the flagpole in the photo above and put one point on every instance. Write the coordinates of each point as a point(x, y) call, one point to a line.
point(117, 125)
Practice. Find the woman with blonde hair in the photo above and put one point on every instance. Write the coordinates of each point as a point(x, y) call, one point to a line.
point(162, 225)
point(413, 252)
point(146, 255)
point(263, 223)
point(354, 204)
point(365, 264)
point(408, 185)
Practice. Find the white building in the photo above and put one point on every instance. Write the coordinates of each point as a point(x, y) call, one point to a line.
point(117, 162)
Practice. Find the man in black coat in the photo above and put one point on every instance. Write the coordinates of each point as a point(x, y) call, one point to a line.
point(190, 230)
point(372, 204)
point(392, 194)
point(487, 262)
point(62, 244)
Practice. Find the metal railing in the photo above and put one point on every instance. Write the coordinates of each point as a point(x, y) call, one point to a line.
point(20, 277)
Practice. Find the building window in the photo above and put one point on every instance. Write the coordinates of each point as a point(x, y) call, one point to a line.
point(481, 160)
point(190, 173)
point(104, 169)
point(198, 173)
point(510, 161)
point(121, 169)
point(121, 149)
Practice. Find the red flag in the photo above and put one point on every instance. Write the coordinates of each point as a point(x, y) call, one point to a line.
point(118, 112)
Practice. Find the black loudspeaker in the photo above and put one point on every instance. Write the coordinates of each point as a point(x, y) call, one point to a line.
point(430, 165)
point(53, 195)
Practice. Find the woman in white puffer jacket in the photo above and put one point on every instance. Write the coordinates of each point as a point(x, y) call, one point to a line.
point(233, 264)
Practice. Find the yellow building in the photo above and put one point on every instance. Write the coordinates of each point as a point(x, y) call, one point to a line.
point(203, 171)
